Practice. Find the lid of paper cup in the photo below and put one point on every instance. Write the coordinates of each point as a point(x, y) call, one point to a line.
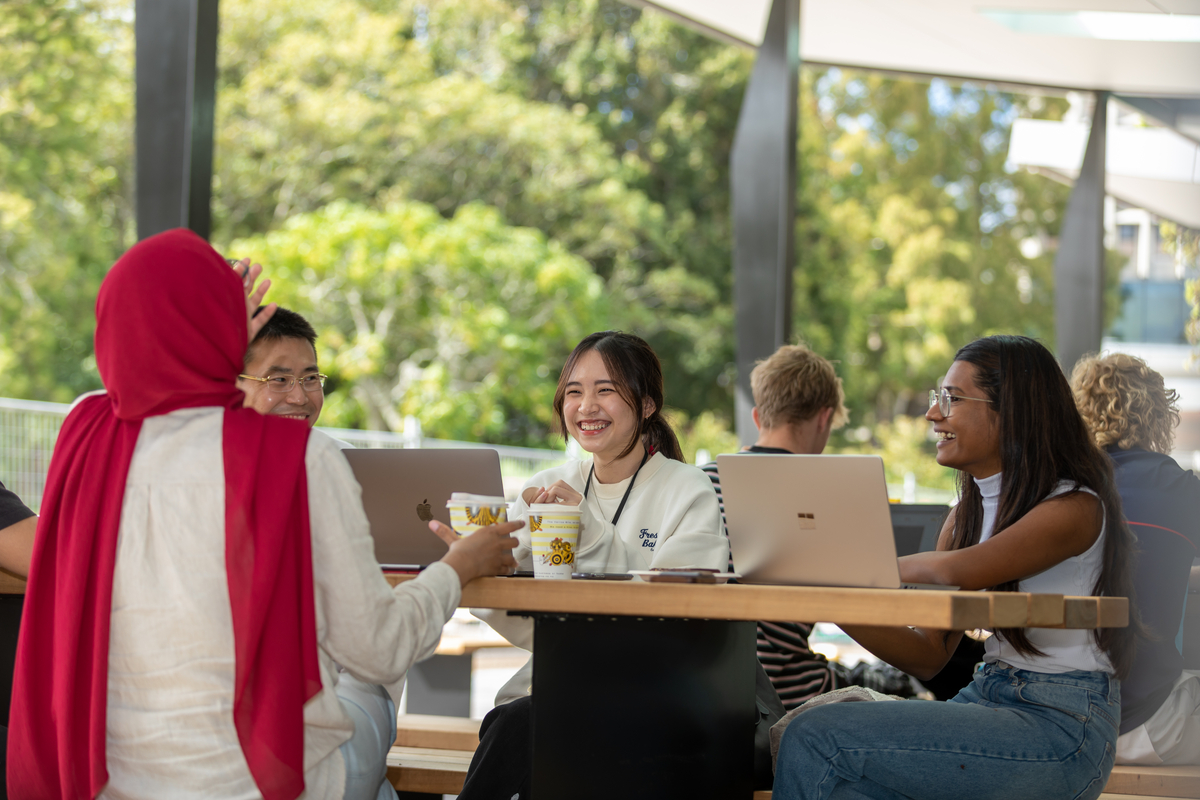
point(553, 508)
point(467, 499)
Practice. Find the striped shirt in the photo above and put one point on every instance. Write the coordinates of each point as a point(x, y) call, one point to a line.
point(797, 673)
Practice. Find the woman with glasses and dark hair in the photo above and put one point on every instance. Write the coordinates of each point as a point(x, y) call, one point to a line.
point(1133, 416)
point(641, 507)
point(1038, 512)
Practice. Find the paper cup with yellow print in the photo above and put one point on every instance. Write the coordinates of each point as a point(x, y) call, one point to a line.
point(554, 533)
point(470, 512)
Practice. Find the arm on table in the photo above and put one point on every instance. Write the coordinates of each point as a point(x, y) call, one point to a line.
point(921, 652)
point(1052, 532)
point(372, 630)
point(693, 534)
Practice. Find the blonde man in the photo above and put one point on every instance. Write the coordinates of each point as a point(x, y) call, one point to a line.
point(1133, 417)
point(798, 401)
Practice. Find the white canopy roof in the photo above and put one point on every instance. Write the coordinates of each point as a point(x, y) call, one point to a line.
point(1151, 168)
point(960, 39)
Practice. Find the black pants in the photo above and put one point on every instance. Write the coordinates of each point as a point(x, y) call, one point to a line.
point(502, 767)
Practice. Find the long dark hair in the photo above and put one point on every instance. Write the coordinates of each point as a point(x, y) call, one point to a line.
point(1043, 440)
point(636, 375)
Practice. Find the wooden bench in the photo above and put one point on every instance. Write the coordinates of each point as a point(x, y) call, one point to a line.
point(425, 770)
point(438, 733)
point(1179, 781)
point(432, 753)
point(1135, 783)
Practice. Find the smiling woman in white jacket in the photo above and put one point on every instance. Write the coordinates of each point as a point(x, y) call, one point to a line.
point(641, 507)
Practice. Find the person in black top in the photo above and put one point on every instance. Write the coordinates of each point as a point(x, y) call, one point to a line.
point(1133, 417)
point(17, 526)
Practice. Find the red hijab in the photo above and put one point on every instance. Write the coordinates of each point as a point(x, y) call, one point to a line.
point(170, 334)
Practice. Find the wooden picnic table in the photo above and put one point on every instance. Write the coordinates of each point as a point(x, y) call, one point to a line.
point(839, 605)
point(651, 685)
point(654, 682)
point(924, 608)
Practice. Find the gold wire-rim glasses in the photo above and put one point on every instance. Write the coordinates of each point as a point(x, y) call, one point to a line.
point(281, 384)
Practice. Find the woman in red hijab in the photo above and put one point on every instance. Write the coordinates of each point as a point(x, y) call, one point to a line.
point(198, 568)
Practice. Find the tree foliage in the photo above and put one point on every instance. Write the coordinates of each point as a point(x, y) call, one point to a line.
point(910, 232)
point(463, 323)
point(66, 128)
point(425, 179)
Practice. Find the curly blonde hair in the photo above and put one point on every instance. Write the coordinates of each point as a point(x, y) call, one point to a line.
point(1125, 403)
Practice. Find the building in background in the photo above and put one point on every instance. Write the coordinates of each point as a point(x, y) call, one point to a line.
point(1153, 176)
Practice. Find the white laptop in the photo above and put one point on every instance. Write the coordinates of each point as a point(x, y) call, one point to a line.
point(403, 489)
point(809, 520)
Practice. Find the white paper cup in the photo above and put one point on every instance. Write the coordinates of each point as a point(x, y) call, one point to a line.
point(554, 532)
point(470, 512)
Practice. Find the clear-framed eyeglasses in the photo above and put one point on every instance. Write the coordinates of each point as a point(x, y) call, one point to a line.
point(942, 397)
point(313, 382)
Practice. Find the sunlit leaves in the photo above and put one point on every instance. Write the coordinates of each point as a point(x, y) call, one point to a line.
point(463, 323)
point(66, 130)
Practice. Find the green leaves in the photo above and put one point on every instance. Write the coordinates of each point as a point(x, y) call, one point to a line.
point(461, 322)
point(66, 130)
point(457, 192)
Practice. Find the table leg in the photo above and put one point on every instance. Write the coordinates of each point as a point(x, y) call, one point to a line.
point(636, 707)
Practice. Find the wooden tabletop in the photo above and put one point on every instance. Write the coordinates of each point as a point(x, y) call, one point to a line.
point(933, 609)
point(842, 606)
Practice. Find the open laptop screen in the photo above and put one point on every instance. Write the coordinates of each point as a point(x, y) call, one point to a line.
point(916, 526)
point(403, 489)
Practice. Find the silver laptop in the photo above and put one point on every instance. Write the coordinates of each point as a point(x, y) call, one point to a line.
point(403, 489)
point(809, 520)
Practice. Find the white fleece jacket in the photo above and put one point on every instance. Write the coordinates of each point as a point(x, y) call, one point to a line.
point(671, 519)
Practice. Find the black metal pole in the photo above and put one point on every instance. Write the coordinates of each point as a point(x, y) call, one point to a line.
point(763, 184)
point(176, 94)
point(1079, 262)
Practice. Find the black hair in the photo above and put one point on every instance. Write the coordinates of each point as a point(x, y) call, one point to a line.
point(283, 324)
point(637, 376)
point(1044, 441)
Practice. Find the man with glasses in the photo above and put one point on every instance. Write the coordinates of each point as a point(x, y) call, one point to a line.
point(281, 376)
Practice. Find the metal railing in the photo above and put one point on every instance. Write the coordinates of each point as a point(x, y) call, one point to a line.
point(27, 433)
point(29, 428)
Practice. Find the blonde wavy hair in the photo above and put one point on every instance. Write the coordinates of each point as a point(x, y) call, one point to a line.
point(1125, 403)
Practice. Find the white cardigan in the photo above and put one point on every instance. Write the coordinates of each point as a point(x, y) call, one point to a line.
point(672, 519)
point(171, 659)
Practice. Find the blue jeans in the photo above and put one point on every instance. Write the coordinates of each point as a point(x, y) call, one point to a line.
point(1010, 733)
point(373, 713)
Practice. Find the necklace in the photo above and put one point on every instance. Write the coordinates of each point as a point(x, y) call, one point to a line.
point(628, 488)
